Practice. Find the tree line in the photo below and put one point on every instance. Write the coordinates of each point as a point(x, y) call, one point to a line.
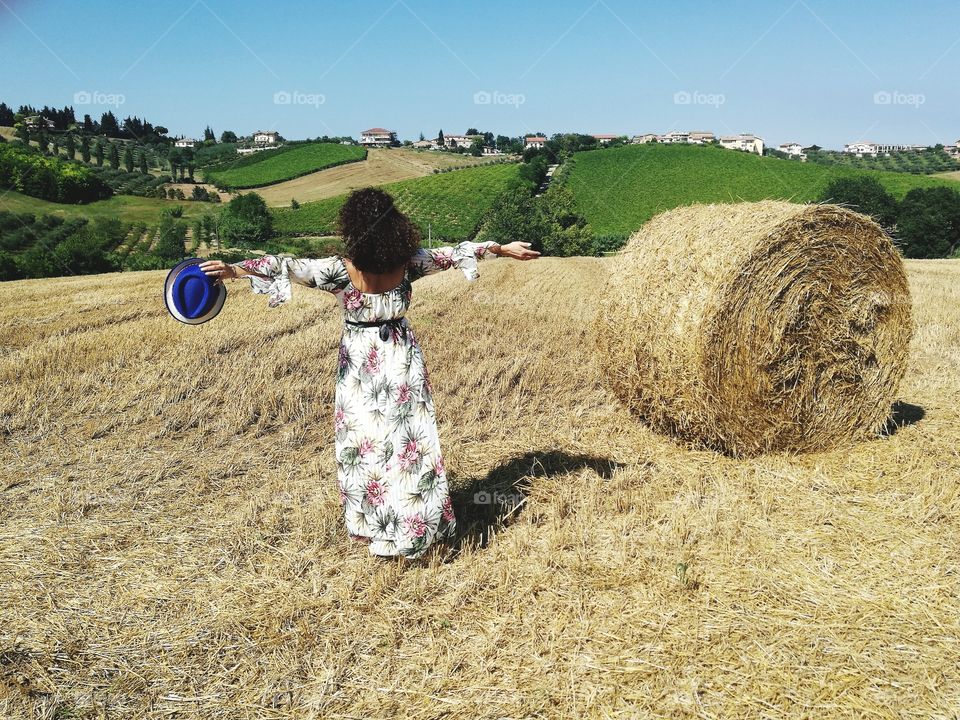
point(924, 224)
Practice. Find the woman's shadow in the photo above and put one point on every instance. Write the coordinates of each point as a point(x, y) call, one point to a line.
point(493, 501)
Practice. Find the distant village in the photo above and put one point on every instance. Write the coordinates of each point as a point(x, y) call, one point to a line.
point(379, 137)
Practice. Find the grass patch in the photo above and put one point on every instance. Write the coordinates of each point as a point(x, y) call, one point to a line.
point(273, 166)
point(128, 208)
point(619, 189)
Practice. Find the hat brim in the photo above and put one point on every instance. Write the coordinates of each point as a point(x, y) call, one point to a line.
point(168, 285)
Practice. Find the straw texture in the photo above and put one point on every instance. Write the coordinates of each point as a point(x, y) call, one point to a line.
point(172, 546)
point(756, 327)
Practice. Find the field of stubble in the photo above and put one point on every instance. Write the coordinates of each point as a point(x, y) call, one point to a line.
point(171, 543)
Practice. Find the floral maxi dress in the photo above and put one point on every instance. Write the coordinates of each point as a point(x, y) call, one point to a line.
point(393, 486)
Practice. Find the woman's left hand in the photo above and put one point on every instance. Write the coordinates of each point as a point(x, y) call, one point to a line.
point(518, 251)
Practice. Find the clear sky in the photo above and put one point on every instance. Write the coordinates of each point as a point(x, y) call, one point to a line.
point(811, 71)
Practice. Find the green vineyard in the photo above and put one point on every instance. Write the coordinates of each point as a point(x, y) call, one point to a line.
point(449, 205)
point(285, 163)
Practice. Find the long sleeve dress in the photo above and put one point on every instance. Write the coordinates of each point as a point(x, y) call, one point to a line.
point(393, 486)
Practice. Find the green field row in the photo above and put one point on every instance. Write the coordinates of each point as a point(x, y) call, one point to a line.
point(272, 166)
point(619, 189)
point(449, 204)
point(129, 208)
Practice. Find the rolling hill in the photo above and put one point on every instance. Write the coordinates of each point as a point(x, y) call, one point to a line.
point(619, 189)
point(450, 203)
point(272, 166)
point(381, 166)
point(173, 543)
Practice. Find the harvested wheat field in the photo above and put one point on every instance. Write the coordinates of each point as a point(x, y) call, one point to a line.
point(172, 544)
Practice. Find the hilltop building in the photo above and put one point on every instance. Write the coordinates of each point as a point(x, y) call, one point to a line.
point(455, 141)
point(33, 121)
point(862, 148)
point(378, 137)
point(745, 142)
point(266, 137)
point(694, 137)
point(793, 149)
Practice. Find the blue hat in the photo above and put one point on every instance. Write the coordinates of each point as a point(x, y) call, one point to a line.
point(191, 296)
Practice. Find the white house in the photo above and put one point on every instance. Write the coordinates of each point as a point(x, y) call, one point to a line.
point(604, 139)
point(266, 137)
point(455, 141)
point(185, 143)
point(744, 141)
point(33, 121)
point(871, 148)
point(487, 150)
point(861, 148)
point(953, 150)
point(694, 137)
point(425, 144)
point(378, 137)
point(792, 148)
point(534, 141)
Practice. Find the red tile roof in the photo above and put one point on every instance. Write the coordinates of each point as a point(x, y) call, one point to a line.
point(376, 131)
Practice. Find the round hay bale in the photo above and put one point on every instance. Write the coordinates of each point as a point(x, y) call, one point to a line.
point(757, 327)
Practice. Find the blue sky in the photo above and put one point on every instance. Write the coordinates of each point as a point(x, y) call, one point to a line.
point(811, 71)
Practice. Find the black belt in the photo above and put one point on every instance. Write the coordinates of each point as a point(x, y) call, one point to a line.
point(387, 327)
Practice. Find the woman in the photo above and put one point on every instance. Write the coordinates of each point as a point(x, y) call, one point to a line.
point(393, 486)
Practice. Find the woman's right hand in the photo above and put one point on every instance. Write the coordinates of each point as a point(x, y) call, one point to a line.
point(518, 251)
point(219, 270)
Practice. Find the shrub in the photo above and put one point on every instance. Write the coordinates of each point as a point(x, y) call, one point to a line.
point(27, 171)
point(171, 239)
point(246, 221)
point(864, 194)
point(928, 224)
point(46, 245)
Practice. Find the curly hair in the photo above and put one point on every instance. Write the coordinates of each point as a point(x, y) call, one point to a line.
point(378, 237)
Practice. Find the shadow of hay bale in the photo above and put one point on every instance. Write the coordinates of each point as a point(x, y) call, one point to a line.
point(901, 415)
point(486, 504)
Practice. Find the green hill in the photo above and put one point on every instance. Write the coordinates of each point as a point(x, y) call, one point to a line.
point(450, 203)
point(619, 189)
point(273, 166)
point(128, 208)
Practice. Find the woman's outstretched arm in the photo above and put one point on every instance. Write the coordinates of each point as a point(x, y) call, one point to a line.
point(273, 275)
point(464, 256)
